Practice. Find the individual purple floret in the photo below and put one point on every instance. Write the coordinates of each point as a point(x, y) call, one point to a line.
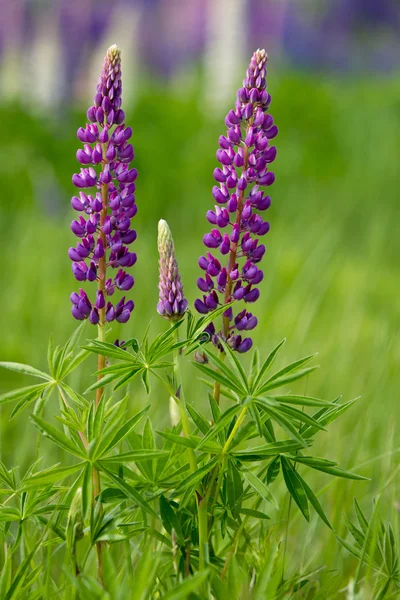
point(104, 225)
point(244, 155)
point(172, 304)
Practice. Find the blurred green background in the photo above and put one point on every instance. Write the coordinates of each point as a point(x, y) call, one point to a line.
point(332, 275)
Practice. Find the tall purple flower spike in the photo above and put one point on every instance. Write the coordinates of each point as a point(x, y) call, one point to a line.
point(104, 231)
point(244, 154)
point(172, 302)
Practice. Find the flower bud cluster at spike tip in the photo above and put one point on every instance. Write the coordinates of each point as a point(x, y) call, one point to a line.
point(245, 154)
point(108, 206)
point(172, 303)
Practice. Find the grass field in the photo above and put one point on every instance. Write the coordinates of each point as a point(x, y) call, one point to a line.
point(332, 268)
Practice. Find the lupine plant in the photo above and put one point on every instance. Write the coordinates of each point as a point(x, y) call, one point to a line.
point(184, 509)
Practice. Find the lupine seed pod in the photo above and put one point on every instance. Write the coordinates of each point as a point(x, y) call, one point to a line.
point(105, 229)
point(244, 155)
point(172, 303)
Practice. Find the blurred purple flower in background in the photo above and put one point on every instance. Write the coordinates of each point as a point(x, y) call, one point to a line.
point(50, 44)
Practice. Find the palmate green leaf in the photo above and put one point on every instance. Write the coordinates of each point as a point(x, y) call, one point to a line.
point(295, 487)
point(258, 485)
point(267, 364)
point(25, 370)
point(129, 491)
point(24, 392)
point(58, 437)
point(223, 421)
point(48, 477)
point(284, 422)
point(267, 450)
point(320, 464)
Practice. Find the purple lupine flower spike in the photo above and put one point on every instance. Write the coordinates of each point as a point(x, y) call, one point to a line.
point(104, 225)
point(172, 303)
point(244, 155)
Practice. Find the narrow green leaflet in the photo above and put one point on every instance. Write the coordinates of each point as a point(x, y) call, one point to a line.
point(134, 456)
point(302, 400)
point(295, 487)
point(20, 576)
point(130, 492)
point(236, 365)
point(267, 364)
point(48, 477)
point(169, 518)
point(194, 478)
point(223, 378)
point(273, 470)
point(25, 370)
point(115, 435)
point(315, 503)
point(9, 513)
point(285, 380)
point(191, 442)
point(326, 416)
point(30, 392)
point(58, 437)
point(110, 350)
point(258, 485)
point(250, 512)
point(320, 464)
point(267, 450)
point(284, 422)
point(190, 585)
point(225, 418)
point(198, 419)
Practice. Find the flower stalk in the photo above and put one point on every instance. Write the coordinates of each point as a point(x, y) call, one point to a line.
point(105, 231)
